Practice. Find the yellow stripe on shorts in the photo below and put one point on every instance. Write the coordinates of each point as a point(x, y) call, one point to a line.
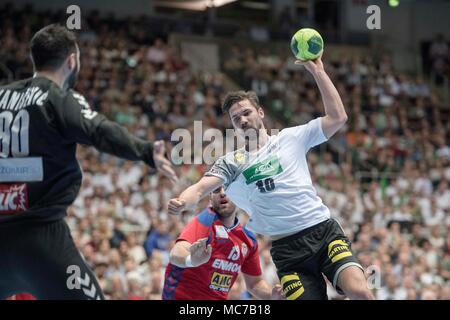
point(296, 294)
point(289, 277)
point(336, 242)
point(341, 256)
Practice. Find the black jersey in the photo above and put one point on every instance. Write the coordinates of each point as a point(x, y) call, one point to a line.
point(40, 126)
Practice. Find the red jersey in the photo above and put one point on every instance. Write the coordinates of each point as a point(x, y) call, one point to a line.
point(234, 249)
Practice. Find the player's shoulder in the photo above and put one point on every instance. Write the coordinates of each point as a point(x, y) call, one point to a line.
point(229, 166)
point(61, 95)
point(293, 129)
point(81, 101)
point(72, 96)
point(16, 85)
point(234, 159)
point(250, 235)
point(34, 86)
point(206, 217)
point(30, 91)
point(56, 95)
point(297, 131)
point(73, 100)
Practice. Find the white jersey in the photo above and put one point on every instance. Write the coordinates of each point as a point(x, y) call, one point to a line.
point(273, 185)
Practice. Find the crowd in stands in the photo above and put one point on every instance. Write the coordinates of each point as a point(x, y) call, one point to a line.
point(385, 176)
point(439, 60)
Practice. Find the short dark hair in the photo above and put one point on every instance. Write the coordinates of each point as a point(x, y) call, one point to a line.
point(237, 96)
point(51, 45)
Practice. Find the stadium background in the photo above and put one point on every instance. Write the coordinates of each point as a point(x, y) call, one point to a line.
point(154, 66)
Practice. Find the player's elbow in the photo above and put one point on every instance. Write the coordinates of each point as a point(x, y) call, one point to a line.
point(176, 259)
point(178, 253)
point(253, 292)
point(252, 283)
point(251, 288)
point(176, 256)
point(336, 119)
point(341, 118)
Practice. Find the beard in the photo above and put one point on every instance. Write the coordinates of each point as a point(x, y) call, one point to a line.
point(251, 132)
point(224, 212)
point(72, 78)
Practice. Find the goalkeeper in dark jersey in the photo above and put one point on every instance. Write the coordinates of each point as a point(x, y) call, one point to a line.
point(43, 120)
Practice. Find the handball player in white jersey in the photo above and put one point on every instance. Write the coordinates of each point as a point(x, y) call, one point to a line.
point(270, 180)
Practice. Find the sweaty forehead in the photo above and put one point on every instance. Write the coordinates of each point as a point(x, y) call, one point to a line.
point(240, 106)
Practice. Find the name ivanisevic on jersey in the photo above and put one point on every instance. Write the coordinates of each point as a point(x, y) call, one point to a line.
point(14, 100)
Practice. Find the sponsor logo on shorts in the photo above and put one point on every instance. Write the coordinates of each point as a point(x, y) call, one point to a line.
point(292, 286)
point(13, 198)
point(221, 282)
point(338, 249)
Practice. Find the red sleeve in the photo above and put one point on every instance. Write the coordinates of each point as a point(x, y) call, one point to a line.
point(252, 265)
point(193, 231)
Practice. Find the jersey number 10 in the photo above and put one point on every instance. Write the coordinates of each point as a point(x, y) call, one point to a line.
point(265, 185)
point(14, 134)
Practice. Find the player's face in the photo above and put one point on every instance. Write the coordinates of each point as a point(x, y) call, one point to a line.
point(246, 118)
point(221, 204)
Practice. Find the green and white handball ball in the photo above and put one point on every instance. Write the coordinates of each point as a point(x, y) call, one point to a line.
point(307, 44)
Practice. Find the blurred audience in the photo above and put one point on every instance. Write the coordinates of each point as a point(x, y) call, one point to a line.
point(385, 176)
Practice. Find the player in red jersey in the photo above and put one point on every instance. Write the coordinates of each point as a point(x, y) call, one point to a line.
point(209, 254)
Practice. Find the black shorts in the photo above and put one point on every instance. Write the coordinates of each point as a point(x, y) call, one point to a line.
point(41, 259)
point(303, 258)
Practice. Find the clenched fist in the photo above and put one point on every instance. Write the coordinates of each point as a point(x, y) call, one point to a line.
point(176, 206)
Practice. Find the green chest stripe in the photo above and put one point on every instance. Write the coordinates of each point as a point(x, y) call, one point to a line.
point(264, 169)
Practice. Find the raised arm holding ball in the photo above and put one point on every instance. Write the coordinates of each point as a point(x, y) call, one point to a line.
point(269, 179)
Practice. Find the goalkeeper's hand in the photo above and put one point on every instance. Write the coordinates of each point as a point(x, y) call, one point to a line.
point(162, 164)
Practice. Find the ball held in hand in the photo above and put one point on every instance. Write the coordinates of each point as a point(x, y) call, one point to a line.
point(307, 44)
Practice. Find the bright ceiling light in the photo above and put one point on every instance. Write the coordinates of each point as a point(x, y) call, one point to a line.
point(197, 5)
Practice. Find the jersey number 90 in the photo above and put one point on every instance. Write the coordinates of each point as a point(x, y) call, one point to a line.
point(14, 134)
